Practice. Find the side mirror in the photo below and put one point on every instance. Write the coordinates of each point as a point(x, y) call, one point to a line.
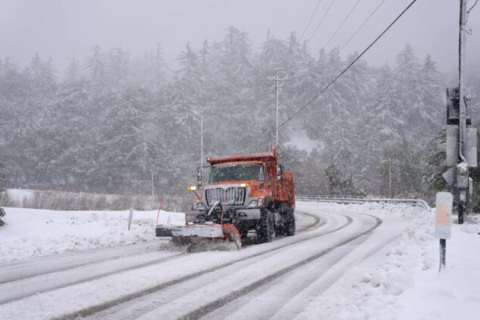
point(279, 172)
point(199, 176)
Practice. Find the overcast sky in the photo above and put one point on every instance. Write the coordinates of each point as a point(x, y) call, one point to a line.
point(63, 29)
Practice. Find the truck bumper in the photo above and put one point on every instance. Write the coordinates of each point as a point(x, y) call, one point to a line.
point(241, 214)
point(248, 214)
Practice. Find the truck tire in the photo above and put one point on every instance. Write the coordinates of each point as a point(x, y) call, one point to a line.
point(265, 227)
point(243, 232)
point(290, 222)
point(461, 214)
point(279, 230)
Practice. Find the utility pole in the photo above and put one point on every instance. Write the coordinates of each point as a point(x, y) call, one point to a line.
point(462, 173)
point(157, 69)
point(153, 193)
point(461, 138)
point(201, 138)
point(277, 80)
point(390, 179)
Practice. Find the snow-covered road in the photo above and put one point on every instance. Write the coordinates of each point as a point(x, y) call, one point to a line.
point(152, 281)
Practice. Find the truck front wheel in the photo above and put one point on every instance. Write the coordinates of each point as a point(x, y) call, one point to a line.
point(265, 227)
point(289, 225)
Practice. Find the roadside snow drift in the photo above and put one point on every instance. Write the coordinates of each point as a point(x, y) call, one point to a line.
point(30, 232)
point(402, 281)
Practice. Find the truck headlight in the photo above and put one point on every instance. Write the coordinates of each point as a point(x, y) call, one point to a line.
point(199, 206)
point(256, 203)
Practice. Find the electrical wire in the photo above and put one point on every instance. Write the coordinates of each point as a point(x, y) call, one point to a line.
point(473, 6)
point(310, 21)
point(343, 22)
point(468, 11)
point(321, 21)
point(346, 68)
point(353, 36)
point(361, 27)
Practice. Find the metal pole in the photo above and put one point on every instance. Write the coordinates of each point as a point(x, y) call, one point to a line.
point(276, 110)
point(153, 193)
point(462, 187)
point(130, 217)
point(277, 90)
point(443, 253)
point(201, 138)
point(390, 178)
point(157, 73)
point(461, 75)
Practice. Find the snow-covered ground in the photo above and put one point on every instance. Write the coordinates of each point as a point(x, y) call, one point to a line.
point(455, 292)
point(30, 232)
point(402, 281)
point(397, 278)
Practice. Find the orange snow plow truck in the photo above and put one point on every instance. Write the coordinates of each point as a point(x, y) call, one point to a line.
point(242, 193)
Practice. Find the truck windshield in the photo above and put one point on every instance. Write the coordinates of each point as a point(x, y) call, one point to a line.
point(237, 172)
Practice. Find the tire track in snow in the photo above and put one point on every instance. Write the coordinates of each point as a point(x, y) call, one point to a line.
point(18, 270)
point(317, 223)
point(92, 311)
point(30, 286)
point(214, 305)
point(32, 283)
point(287, 297)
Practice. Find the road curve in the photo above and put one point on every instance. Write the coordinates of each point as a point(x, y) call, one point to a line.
point(172, 285)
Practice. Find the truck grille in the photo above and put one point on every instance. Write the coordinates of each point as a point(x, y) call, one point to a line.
point(232, 196)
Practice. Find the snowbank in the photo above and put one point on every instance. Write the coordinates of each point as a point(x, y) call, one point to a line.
point(402, 281)
point(30, 232)
point(454, 293)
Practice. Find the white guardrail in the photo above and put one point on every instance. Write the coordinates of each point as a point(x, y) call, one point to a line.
point(412, 202)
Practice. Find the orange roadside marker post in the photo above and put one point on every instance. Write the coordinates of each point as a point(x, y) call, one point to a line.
point(443, 223)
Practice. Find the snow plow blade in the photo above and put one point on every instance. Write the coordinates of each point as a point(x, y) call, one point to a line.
point(190, 230)
point(192, 233)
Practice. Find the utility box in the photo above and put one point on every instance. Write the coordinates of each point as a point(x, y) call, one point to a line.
point(471, 147)
point(452, 146)
point(453, 107)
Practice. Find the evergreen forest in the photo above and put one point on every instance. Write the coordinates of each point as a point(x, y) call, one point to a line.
point(113, 122)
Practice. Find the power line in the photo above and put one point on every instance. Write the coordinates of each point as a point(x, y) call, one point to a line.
point(348, 67)
point(353, 36)
point(311, 18)
point(321, 21)
point(473, 6)
point(343, 22)
point(468, 11)
point(361, 27)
